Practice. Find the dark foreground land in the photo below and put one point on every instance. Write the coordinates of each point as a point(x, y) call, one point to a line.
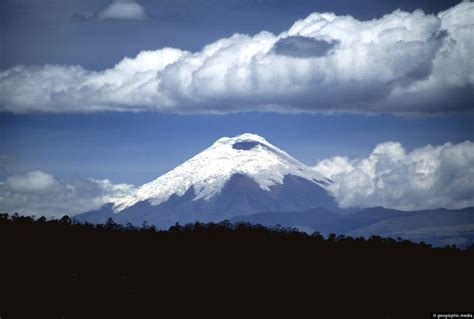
point(54, 269)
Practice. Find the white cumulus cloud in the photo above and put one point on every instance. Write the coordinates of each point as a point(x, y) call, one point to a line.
point(400, 63)
point(42, 194)
point(425, 178)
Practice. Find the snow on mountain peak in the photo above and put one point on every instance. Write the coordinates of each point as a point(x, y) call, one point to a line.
point(208, 171)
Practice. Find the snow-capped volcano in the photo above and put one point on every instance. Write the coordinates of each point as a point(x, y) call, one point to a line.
point(234, 176)
point(207, 172)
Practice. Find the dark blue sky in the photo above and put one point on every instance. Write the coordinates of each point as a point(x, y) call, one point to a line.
point(137, 147)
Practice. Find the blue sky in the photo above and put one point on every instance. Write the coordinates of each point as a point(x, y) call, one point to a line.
point(91, 88)
point(136, 147)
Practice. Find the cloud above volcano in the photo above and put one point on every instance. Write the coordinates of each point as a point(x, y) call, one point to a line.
point(401, 63)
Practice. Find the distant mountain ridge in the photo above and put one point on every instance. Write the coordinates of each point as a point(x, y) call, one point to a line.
point(439, 227)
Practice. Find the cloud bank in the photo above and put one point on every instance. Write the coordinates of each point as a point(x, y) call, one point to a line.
point(400, 63)
point(42, 194)
point(425, 178)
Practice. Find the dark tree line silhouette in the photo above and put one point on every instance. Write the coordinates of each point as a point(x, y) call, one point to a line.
point(63, 269)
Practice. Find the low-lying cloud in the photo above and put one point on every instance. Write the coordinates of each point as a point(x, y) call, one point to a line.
point(400, 63)
point(425, 178)
point(42, 194)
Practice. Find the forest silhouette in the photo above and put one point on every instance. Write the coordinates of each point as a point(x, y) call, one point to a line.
point(64, 269)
